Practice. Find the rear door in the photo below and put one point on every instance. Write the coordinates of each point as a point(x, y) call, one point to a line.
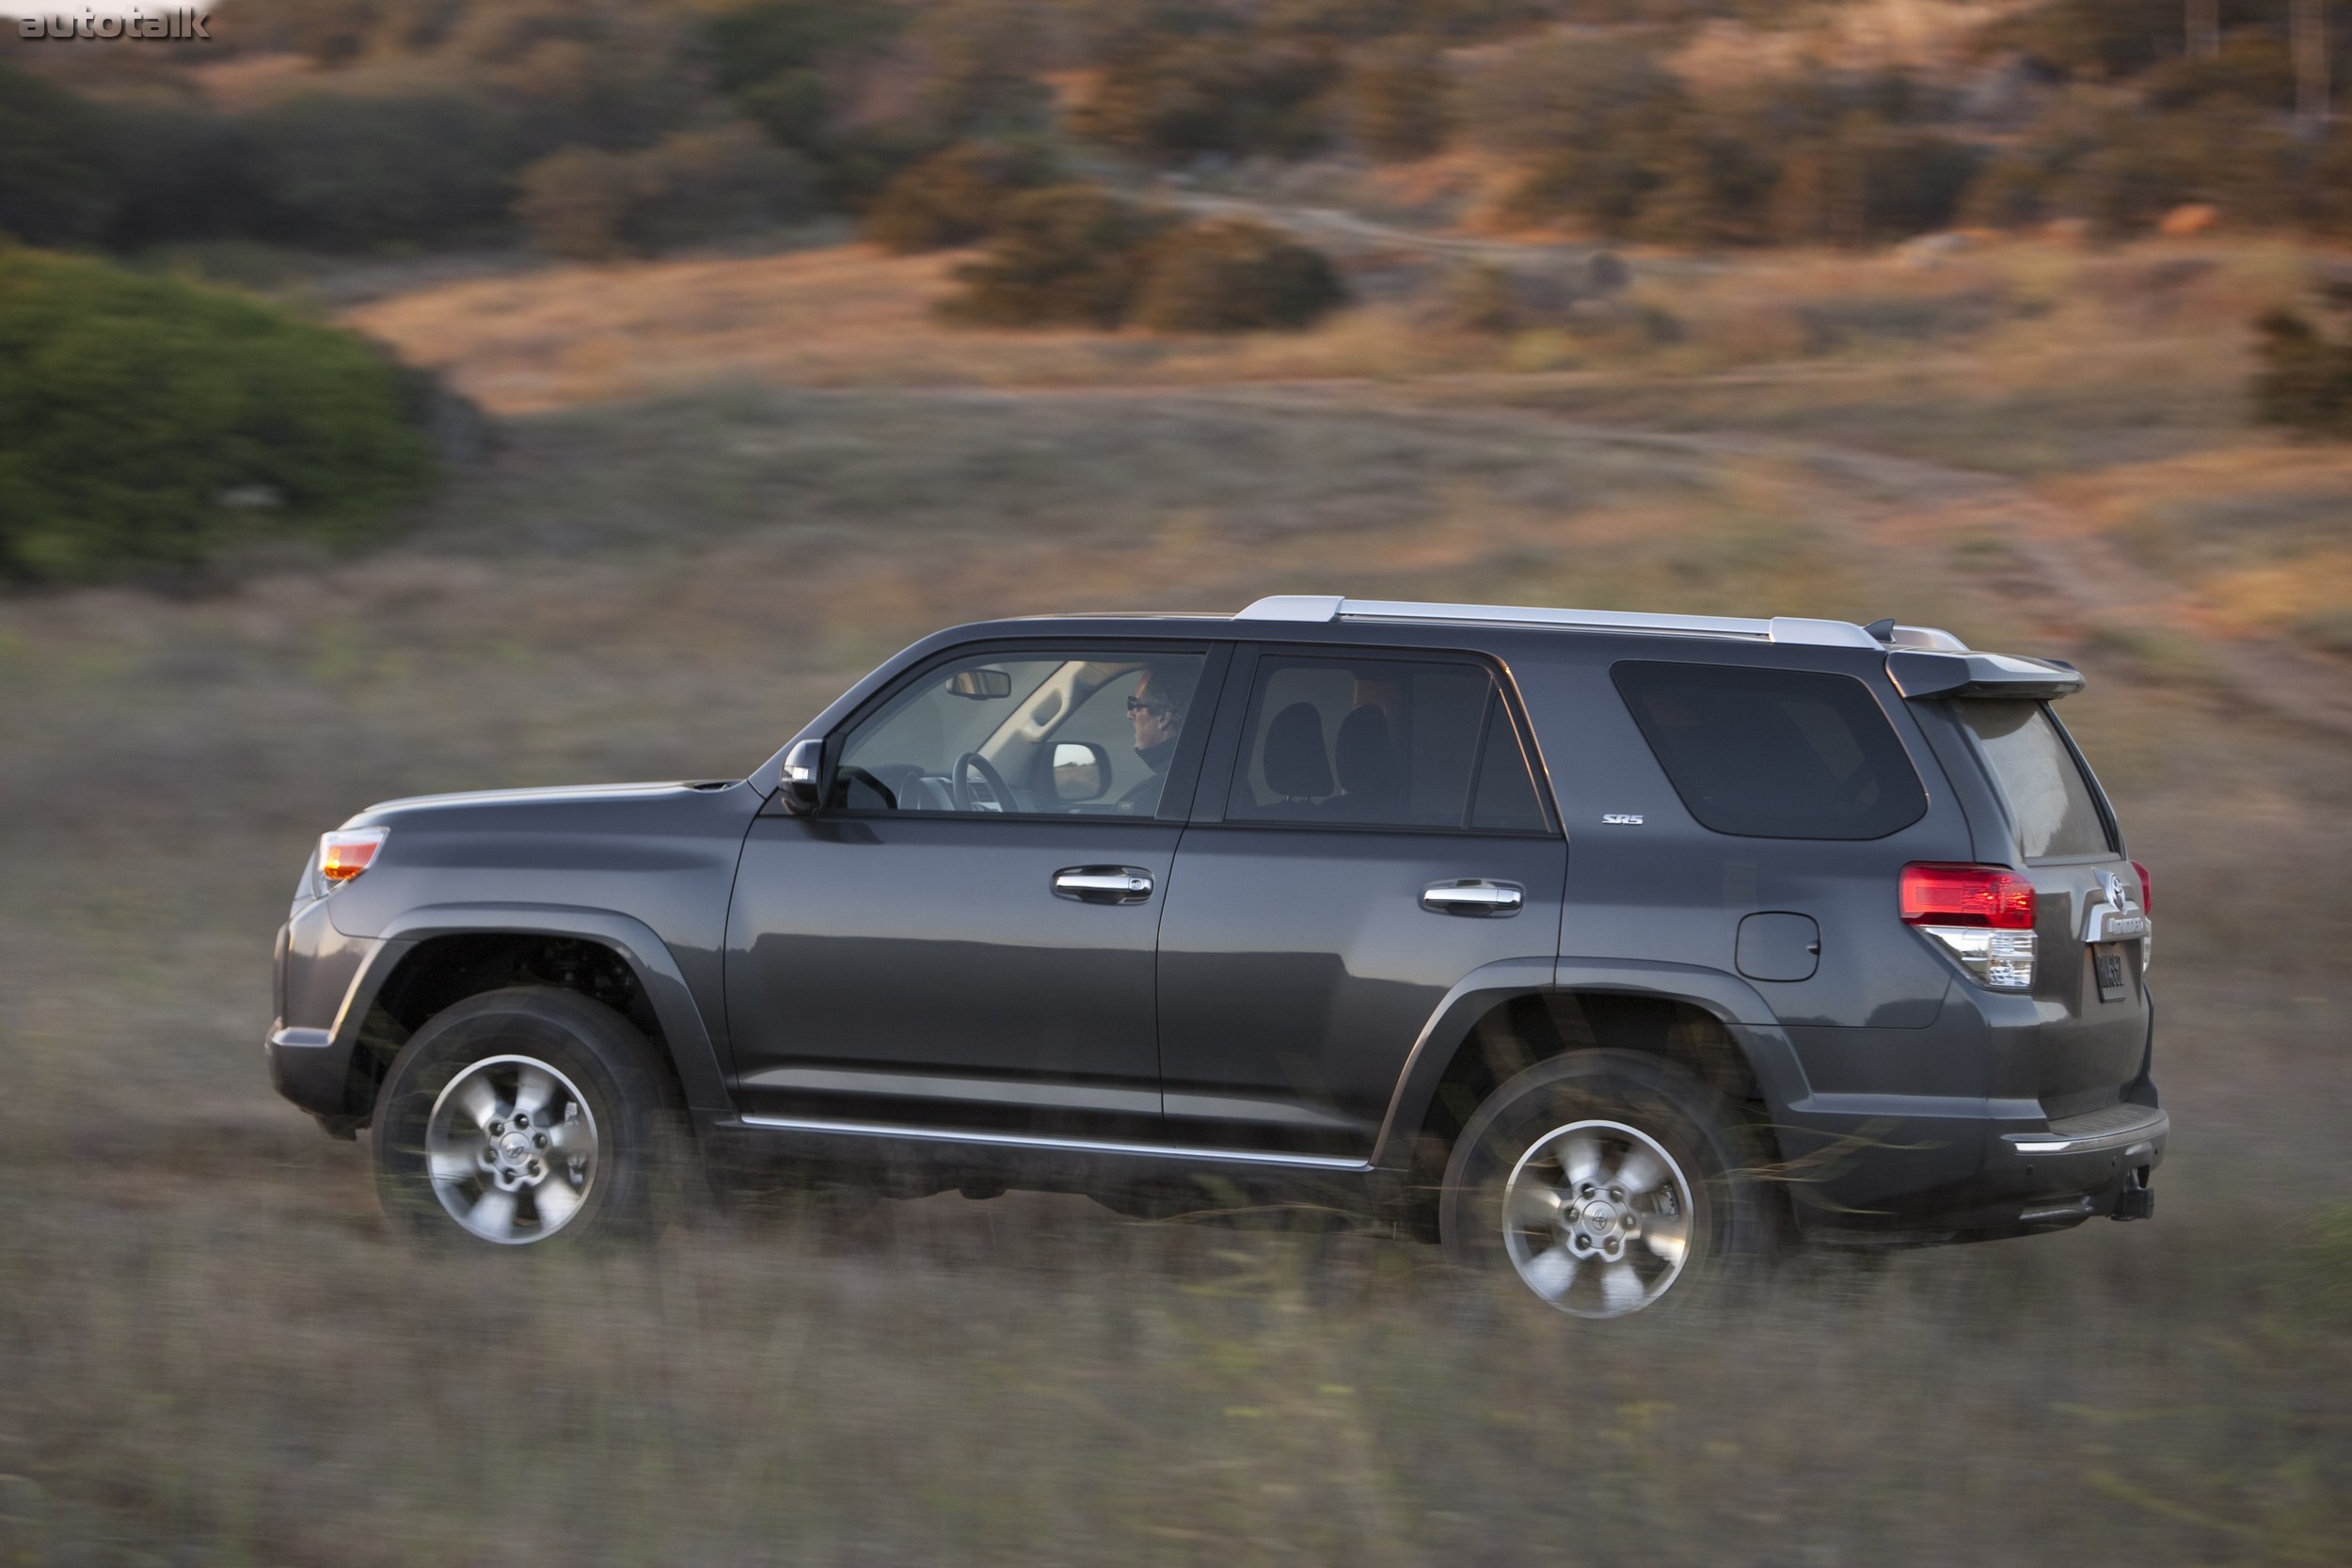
point(2087, 899)
point(1369, 833)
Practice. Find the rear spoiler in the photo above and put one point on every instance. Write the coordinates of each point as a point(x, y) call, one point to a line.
point(1918, 675)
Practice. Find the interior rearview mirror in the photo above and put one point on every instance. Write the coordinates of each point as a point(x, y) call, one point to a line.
point(1082, 771)
point(980, 684)
point(803, 783)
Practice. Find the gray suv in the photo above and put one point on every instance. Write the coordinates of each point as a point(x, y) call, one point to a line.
point(1606, 950)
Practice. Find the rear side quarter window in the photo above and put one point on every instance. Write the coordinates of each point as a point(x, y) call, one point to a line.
point(1775, 753)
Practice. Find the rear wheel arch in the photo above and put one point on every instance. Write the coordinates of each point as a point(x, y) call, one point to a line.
point(1513, 1032)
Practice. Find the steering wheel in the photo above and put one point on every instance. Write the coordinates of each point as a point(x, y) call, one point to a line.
point(960, 785)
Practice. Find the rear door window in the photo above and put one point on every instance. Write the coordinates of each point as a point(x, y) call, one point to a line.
point(1382, 743)
point(1775, 753)
point(2057, 814)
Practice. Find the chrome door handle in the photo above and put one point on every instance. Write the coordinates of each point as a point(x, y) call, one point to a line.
point(1473, 895)
point(1103, 884)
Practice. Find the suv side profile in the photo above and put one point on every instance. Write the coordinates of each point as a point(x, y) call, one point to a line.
point(1604, 950)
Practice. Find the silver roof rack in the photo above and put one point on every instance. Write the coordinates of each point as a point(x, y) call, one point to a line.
point(1779, 628)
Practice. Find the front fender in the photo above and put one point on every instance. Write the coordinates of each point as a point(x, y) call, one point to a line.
point(648, 957)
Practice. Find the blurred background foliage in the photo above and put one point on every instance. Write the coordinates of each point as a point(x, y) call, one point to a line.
point(346, 125)
point(149, 423)
point(1069, 139)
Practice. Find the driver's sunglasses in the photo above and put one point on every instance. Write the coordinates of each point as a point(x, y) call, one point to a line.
point(1145, 704)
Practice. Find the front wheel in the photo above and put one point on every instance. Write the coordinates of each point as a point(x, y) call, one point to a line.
point(1606, 1182)
point(520, 1116)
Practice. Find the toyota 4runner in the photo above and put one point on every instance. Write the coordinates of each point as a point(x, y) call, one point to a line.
point(1605, 949)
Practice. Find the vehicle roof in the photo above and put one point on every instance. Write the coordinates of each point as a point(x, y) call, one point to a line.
point(1334, 611)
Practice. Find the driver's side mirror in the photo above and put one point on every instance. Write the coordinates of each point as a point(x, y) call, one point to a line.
point(804, 777)
point(1082, 771)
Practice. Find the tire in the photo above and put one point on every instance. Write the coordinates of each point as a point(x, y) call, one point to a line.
point(1624, 1180)
point(527, 1118)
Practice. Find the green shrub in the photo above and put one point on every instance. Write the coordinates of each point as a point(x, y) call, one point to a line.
point(2303, 381)
point(695, 187)
point(2093, 39)
point(702, 186)
point(974, 65)
point(150, 423)
point(1079, 256)
point(1219, 94)
point(789, 65)
point(953, 198)
point(54, 189)
point(1066, 255)
point(180, 171)
point(1869, 183)
point(347, 171)
point(1229, 274)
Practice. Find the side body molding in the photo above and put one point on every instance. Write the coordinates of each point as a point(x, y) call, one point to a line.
point(1744, 1013)
point(646, 955)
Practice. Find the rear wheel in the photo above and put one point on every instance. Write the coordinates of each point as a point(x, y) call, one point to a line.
point(1603, 1183)
point(524, 1118)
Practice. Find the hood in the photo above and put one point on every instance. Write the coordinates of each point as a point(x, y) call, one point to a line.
point(409, 805)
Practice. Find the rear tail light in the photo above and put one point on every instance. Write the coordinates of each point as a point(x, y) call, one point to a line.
point(1980, 914)
point(347, 851)
point(1967, 895)
point(2147, 906)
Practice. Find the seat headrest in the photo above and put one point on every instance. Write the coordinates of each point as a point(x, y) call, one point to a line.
point(1367, 758)
point(1295, 765)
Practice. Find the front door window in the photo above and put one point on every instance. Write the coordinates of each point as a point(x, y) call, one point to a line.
point(1053, 733)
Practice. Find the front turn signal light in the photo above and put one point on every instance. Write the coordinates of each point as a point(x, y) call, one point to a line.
point(347, 851)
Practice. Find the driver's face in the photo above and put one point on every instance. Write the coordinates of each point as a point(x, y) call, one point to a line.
point(1154, 721)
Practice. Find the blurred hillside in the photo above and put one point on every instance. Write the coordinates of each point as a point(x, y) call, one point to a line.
point(362, 125)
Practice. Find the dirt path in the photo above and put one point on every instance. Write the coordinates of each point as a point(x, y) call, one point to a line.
point(1345, 230)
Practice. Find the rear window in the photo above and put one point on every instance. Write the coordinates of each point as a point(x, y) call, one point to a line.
point(2057, 814)
point(1775, 753)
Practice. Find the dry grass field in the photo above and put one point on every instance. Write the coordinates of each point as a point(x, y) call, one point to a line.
point(210, 1352)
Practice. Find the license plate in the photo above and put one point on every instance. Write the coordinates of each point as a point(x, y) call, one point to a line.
point(2111, 967)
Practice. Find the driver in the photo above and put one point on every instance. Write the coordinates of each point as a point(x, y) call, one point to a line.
point(1157, 711)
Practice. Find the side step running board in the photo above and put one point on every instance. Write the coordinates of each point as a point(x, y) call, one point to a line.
point(885, 1130)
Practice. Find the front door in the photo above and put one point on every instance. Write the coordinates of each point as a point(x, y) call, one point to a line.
point(964, 935)
point(1381, 837)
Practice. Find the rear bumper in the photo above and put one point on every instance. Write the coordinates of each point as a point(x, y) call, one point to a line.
point(2078, 1168)
point(2002, 1171)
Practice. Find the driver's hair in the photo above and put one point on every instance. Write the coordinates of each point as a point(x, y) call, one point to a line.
point(1170, 686)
